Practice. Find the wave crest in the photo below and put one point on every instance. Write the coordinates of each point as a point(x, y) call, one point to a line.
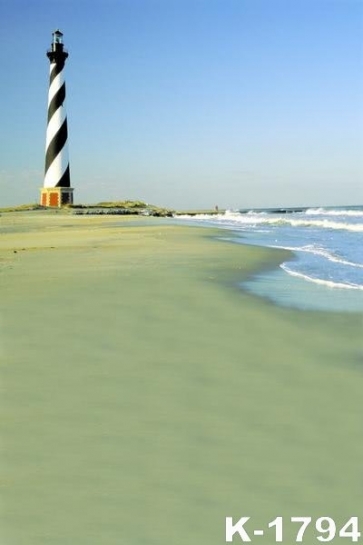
point(333, 212)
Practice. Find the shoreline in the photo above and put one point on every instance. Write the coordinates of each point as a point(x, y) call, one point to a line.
point(146, 396)
point(276, 286)
point(294, 290)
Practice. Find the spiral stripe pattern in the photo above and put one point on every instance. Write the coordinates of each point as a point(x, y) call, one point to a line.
point(57, 172)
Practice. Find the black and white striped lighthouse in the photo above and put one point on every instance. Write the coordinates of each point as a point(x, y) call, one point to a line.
point(57, 189)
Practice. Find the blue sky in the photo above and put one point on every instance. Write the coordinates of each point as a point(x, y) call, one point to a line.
point(189, 103)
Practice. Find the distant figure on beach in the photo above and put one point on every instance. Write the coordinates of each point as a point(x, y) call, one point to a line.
point(216, 208)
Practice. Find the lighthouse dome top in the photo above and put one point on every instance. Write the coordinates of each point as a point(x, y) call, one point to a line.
point(58, 36)
point(57, 53)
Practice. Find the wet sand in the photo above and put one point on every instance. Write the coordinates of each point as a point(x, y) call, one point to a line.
point(145, 397)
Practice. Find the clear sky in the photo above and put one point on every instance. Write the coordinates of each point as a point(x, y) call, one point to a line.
point(189, 103)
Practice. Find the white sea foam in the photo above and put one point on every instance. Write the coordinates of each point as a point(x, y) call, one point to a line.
point(328, 283)
point(327, 224)
point(311, 249)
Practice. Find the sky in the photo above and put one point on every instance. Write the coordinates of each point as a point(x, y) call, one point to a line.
point(189, 104)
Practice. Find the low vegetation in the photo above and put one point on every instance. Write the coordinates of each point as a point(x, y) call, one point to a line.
point(21, 208)
point(113, 207)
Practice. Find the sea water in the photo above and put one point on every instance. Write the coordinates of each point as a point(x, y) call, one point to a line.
point(326, 270)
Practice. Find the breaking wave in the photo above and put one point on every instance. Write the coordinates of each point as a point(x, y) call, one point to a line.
point(251, 219)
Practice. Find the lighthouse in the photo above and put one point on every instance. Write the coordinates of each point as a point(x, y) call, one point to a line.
point(57, 190)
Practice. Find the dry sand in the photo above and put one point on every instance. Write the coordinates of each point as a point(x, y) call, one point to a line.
point(145, 398)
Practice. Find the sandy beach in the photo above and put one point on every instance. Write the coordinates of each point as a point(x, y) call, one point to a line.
point(145, 397)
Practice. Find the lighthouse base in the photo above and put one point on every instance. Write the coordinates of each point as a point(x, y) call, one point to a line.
point(56, 197)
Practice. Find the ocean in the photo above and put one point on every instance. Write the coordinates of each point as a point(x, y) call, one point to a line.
point(326, 270)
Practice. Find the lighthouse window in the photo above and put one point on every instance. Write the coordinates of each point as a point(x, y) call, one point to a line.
point(57, 38)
